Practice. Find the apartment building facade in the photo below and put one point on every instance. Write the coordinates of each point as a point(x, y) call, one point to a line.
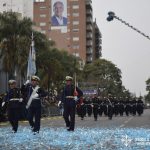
point(77, 36)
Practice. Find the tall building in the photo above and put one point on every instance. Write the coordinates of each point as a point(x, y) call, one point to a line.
point(76, 34)
point(97, 41)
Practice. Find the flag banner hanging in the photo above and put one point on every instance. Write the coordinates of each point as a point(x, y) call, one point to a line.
point(31, 69)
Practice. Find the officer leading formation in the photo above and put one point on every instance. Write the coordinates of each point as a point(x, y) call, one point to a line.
point(70, 97)
point(34, 94)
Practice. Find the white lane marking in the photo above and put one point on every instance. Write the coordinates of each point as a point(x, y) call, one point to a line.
point(126, 122)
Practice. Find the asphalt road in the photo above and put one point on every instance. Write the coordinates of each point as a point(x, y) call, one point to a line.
point(142, 121)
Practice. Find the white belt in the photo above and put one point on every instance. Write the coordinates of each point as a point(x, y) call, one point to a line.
point(70, 97)
point(14, 99)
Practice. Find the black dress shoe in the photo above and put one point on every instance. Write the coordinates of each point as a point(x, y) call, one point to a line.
point(70, 129)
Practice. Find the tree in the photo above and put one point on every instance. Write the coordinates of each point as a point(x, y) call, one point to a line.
point(106, 75)
point(14, 42)
point(147, 97)
point(54, 65)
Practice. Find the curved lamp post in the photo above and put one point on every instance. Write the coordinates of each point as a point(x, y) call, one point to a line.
point(111, 16)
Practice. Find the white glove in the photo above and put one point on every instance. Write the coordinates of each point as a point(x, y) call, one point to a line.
point(21, 99)
point(59, 103)
point(35, 96)
point(27, 106)
point(75, 98)
point(28, 81)
point(3, 103)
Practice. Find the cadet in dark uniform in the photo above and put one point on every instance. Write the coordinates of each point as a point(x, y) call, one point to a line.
point(89, 107)
point(34, 96)
point(70, 96)
point(127, 106)
point(13, 98)
point(140, 107)
point(82, 108)
point(110, 107)
point(105, 105)
point(121, 107)
point(95, 105)
point(134, 106)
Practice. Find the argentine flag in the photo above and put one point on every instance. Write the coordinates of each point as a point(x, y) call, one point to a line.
point(31, 70)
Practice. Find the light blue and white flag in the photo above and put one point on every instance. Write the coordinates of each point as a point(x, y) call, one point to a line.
point(31, 70)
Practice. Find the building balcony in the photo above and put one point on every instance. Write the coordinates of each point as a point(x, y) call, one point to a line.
point(89, 12)
point(89, 51)
point(89, 43)
point(89, 28)
point(89, 20)
point(89, 59)
point(89, 4)
point(89, 35)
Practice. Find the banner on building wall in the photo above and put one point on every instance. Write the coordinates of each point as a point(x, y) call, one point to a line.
point(59, 15)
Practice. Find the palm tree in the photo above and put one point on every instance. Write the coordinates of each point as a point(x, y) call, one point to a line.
point(14, 42)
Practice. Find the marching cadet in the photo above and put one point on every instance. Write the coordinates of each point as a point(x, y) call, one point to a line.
point(105, 106)
point(134, 106)
point(95, 105)
point(140, 107)
point(34, 97)
point(82, 108)
point(110, 107)
point(116, 107)
point(70, 96)
point(121, 107)
point(89, 107)
point(127, 106)
point(14, 99)
point(2, 109)
point(100, 108)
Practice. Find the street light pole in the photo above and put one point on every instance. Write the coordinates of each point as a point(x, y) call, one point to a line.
point(111, 16)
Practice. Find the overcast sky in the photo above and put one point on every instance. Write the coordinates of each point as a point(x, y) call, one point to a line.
point(126, 48)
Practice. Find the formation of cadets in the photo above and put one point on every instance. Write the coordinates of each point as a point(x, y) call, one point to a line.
point(109, 106)
point(28, 99)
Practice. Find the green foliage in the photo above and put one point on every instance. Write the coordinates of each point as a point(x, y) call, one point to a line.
point(14, 41)
point(106, 75)
point(147, 97)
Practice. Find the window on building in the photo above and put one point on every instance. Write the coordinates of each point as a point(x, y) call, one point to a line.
point(75, 30)
point(42, 24)
point(42, 7)
point(39, 0)
point(75, 46)
point(43, 31)
point(75, 14)
point(75, 22)
point(76, 54)
point(75, 6)
point(42, 15)
point(75, 38)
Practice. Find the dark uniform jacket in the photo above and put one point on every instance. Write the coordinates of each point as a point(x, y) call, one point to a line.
point(12, 97)
point(37, 101)
point(69, 91)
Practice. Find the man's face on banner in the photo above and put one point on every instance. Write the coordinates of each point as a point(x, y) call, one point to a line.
point(58, 9)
